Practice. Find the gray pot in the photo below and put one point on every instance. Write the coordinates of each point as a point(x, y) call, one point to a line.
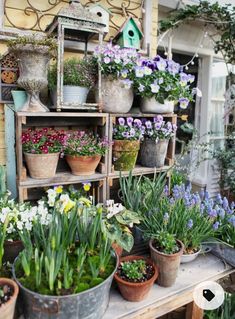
point(152, 153)
point(153, 106)
point(115, 97)
point(90, 304)
point(75, 94)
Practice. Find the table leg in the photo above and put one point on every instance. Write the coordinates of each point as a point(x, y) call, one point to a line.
point(193, 311)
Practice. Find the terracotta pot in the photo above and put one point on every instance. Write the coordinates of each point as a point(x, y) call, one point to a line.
point(152, 153)
point(7, 310)
point(135, 291)
point(118, 249)
point(12, 250)
point(168, 265)
point(83, 165)
point(42, 165)
point(125, 154)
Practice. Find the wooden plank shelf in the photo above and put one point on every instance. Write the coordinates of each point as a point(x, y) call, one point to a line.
point(139, 170)
point(61, 178)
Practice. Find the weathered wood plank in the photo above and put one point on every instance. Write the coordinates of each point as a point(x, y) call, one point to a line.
point(193, 311)
point(2, 140)
point(2, 156)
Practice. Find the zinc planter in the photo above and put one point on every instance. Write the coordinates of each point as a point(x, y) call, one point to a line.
point(152, 153)
point(153, 106)
point(168, 265)
point(42, 166)
point(132, 291)
point(19, 98)
point(125, 154)
point(89, 304)
point(12, 250)
point(75, 94)
point(115, 97)
point(83, 165)
point(7, 310)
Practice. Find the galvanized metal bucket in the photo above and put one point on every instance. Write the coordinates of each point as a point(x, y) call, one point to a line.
point(90, 304)
point(152, 153)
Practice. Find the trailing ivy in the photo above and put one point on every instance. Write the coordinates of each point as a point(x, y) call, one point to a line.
point(220, 18)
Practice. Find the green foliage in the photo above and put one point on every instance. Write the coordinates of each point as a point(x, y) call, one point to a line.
point(35, 41)
point(134, 269)
point(220, 17)
point(77, 72)
point(226, 311)
point(165, 242)
point(2, 180)
point(57, 256)
point(3, 233)
point(177, 178)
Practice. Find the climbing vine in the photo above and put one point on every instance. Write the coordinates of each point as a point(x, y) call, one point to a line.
point(221, 19)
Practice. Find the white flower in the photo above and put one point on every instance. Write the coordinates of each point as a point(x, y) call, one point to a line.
point(19, 225)
point(117, 208)
point(28, 225)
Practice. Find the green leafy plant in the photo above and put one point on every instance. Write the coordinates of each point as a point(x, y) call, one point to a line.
point(134, 269)
point(165, 242)
point(211, 14)
point(226, 311)
point(77, 72)
point(35, 41)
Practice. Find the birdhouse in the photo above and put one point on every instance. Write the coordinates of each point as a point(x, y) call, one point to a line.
point(103, 13)
point(129, 35)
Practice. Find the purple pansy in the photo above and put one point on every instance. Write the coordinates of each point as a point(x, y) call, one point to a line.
point(121, 121)
point(183, 102)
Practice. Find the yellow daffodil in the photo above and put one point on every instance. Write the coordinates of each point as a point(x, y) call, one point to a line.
point(87, 187)
point(69, 206)
point(85, 201)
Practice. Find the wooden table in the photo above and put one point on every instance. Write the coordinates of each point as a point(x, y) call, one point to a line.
point(164, 300)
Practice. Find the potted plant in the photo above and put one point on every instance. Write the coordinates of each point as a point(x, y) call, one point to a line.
point(8, 288)
point(157, 134)
point(118, 223)
point(83, 151)
point(33, 53)
point(41, 148)
point(19, 216)
point(135, 277)
point(161, 84)
point(117, 65)
point(66, 268)
point(79, 77)
point(126, 135)
point(166, 252)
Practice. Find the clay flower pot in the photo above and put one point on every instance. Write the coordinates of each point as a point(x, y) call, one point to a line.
point(83, 165)
point(42, 166)
point(125, 154)
point(7, 309)
point(132, 291)
point(168, 265)
point(12, 250)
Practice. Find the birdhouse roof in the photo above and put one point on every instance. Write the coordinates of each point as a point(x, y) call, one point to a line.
point(102, 7)
point(124, 25)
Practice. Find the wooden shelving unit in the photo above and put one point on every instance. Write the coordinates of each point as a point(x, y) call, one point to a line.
point(98, 122)
point(101, 123)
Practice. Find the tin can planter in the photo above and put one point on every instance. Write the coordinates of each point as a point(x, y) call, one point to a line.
point(168, 264)
point(83, 165)
point(153, 106)
point(115, 97)
point(19, 98)
point(72, 95)
point(7, 310)
point(12, 250)
point(89, 304)
point(152, 153)
point(125, 154)
point(42, 166)
point(133, 291)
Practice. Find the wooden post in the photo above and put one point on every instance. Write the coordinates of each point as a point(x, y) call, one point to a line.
point(193, 311)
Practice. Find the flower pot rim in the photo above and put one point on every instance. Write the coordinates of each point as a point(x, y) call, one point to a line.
point(64, 296)
point(197, 252)
point(35, 154)
point(125, 140)
point(13, 241)
point(180, 252)
point(136, 284)
point(15, 286)
point(83, 156)
point(76, 86)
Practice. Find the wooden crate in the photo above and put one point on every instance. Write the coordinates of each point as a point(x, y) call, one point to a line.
point(139, 170)
point(98, 122)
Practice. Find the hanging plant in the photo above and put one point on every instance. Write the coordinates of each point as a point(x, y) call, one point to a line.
point(220, 18)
